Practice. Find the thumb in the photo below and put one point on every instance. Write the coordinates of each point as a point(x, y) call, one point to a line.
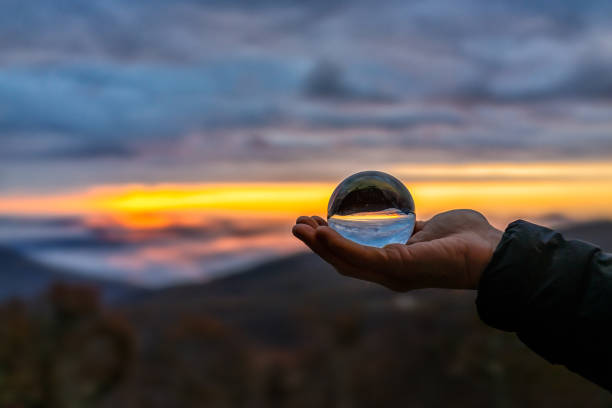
point(421, 236)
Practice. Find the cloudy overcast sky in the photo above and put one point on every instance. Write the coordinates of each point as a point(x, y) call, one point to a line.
point(111, 91)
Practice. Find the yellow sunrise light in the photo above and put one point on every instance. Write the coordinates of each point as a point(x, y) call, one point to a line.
point(580, 190)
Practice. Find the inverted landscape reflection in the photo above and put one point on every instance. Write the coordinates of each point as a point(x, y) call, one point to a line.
point(377, 228)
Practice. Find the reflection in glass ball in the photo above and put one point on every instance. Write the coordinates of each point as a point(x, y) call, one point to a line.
point(372, 208)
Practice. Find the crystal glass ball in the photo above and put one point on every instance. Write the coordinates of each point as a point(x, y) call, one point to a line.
point(372, 208)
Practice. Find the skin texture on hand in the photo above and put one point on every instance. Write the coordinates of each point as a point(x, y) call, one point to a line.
point(451, 250)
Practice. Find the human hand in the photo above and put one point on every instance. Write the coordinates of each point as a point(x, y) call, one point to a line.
point(449, 251)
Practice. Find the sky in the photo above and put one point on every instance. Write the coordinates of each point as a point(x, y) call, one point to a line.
point(160, 142)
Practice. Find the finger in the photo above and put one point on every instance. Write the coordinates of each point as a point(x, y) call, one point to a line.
point(343, 265)
point(364, 258)
point(319, 220)
point(306, 220)
point(304, 232)
point(420, 236)
point(419, 225)
point(364, 262)
point(307, 234)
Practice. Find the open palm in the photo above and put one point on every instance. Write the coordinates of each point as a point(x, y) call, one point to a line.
point(449, 251)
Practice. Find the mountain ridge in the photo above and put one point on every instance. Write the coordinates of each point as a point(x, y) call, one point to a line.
point(22, 276)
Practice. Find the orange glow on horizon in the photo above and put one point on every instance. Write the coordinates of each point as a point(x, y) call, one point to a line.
point(371, 216)
point(577, 190)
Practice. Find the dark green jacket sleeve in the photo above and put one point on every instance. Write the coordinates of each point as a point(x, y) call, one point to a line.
point(555, 294)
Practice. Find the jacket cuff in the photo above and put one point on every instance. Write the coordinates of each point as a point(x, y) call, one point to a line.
point(534, 274)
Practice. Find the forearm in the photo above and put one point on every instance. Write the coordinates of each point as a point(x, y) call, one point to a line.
point(555, 294)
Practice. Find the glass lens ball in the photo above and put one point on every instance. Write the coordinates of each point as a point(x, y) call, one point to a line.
point(372, 208)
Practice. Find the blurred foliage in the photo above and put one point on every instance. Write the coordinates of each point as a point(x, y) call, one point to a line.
point(62, 351)
point(415, 350)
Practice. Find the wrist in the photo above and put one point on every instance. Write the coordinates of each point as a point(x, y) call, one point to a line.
point(490, 240)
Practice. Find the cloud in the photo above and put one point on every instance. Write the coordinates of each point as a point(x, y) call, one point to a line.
point(215, 89)
point(150, 257)
point(326, 81)
point(383, 120)
point(111, 102)
point(72, 233)
point(95, 151)
point(28, 147)
point(40, 222)
point(590, 80)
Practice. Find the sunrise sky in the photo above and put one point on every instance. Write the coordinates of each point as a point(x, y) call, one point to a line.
point(576, 190)
point(160, 142)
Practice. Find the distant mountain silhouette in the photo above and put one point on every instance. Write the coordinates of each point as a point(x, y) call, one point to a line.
point(23, 277)
point(268, 300)
point(298, 278)
point(598, 232)
point(265, 301)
